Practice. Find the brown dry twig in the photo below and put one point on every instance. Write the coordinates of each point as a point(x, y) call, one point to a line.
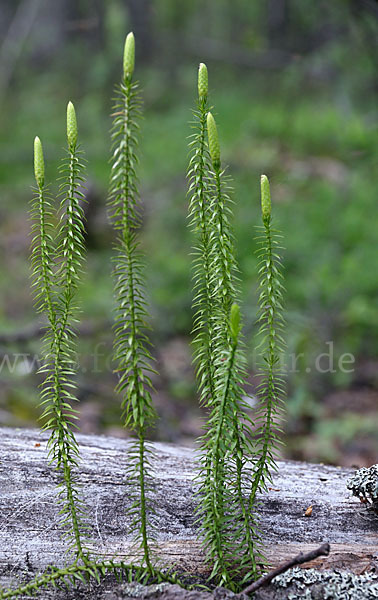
point(301, 558)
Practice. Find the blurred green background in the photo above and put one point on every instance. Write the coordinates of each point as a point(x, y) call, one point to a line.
point(294, 84)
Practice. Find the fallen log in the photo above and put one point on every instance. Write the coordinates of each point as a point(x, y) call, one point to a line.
point(30, 538)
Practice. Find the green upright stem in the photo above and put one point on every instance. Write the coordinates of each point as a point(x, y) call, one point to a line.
point(74, 517)
point(208, 304)
point(139, 401)
point(203, 302)
point(126, 164)
point(68, 284)
point(217, 469)
point(54, 293)
point(246, 513)
point(136, 400)
point(45, 261)
point(60, 426)
point(269, 317)
point(143, 514)
point(66, 441)
point(226, 289)
point(135, 358)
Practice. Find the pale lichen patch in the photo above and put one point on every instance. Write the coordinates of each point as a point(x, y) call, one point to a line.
point(310, 584)
point(364, 485)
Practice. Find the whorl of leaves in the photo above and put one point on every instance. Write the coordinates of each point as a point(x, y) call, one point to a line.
point(131, 343)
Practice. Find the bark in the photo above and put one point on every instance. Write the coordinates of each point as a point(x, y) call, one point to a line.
point(30, 538)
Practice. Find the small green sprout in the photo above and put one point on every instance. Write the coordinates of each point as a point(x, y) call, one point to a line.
point(203, 81)
point(39, 163)
point(214, 147)
point(71, 126)
point(266, 205)
point(235, 322)
point(129, 56)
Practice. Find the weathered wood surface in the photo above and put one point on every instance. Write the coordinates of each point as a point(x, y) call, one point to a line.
point(30, 537)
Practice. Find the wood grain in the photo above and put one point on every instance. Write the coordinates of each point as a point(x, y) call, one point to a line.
point(30, 538)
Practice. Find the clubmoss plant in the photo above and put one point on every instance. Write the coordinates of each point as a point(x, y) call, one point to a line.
point(228, 527)
point(199, 220)
point(56, 267)
point(131, 341)
point(224, 269)
point(271, 322)
point(236, 458)
point(226, 524)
